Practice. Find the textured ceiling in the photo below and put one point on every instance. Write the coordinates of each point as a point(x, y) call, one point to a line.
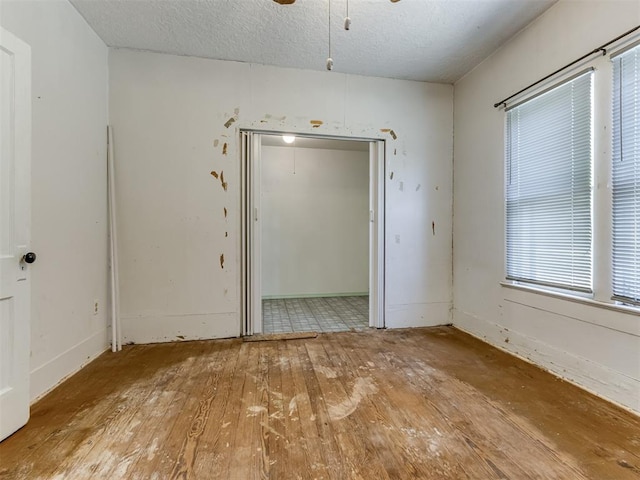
point(427, 40)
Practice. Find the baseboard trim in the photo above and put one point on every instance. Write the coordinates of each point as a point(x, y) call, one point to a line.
point(601, 381)
point(177, 328)
point(315, 295)
point(46, 377)
point(417, 315)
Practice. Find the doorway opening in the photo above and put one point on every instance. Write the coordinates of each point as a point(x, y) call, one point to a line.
point(313, 229)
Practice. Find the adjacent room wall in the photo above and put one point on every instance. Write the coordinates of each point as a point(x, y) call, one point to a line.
point(177, 119)
point(68, 187)
point(595, 347)
point(315, 222)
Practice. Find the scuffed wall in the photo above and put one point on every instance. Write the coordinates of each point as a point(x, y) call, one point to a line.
point(68, 187)
point(177, 119)
point(596, 347)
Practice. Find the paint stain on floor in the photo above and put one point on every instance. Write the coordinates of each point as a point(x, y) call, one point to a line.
point(361, 389)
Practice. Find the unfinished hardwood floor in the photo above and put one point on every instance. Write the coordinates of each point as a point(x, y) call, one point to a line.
point(407, 404)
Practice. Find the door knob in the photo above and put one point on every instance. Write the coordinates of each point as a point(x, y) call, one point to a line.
point(29, 257)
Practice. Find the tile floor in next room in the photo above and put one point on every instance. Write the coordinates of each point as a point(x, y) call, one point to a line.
point(316, 314)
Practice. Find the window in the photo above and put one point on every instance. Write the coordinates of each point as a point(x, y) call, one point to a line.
point(548, 187)
point(626, 176)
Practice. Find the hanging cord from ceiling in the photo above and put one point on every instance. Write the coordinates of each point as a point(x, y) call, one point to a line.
point(329, 59)
point(347, 20)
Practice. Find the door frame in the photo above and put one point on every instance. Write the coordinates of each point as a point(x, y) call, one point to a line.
point(251, 234)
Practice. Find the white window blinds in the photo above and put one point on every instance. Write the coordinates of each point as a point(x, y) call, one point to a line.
point(548, 187)
point(626, 176)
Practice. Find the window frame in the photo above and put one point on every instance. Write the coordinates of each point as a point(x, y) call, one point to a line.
point(617, 142)
point(535, 284)
point(602, 201)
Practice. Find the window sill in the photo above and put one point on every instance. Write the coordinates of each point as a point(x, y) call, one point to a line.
point(573, 298)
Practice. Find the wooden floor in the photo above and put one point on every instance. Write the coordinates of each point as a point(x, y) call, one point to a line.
point(420, 403)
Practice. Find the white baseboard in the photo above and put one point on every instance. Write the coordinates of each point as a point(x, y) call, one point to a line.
point(315, 295)
point(597, 379)
point(46, 377)
point(177, 328)
point(417, 315)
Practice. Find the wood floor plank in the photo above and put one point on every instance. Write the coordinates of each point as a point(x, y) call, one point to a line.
point(411, 422)
point(402, 404)
point(200, 400)
point(106, 449)
point(343, 396)
point(372, 415)
point(315, 419)
point(306, 445)
point(215, 444)
point(497, 442)
point(246, 459)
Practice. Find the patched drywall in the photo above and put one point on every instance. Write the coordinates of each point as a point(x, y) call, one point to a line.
point(68, 187)
point(592, 346)
point(177, 119)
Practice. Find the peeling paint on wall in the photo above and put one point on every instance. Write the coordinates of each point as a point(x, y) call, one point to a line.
point(226, 234)
point(224, 148)
point(316, 123)
point(390, 132)
point(225, 212)
point(230, 122)
point(391, 176)
point(433, 227)
point(221, 178)
point(222, 260)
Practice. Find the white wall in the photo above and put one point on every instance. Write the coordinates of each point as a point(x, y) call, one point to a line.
point(169, 115)
point(69, 213)
point(593, 346)
point(315, 221)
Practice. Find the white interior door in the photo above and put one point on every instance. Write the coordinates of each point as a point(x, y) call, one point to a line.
point(15, 146)
point(376, 234)
point(251, 233)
